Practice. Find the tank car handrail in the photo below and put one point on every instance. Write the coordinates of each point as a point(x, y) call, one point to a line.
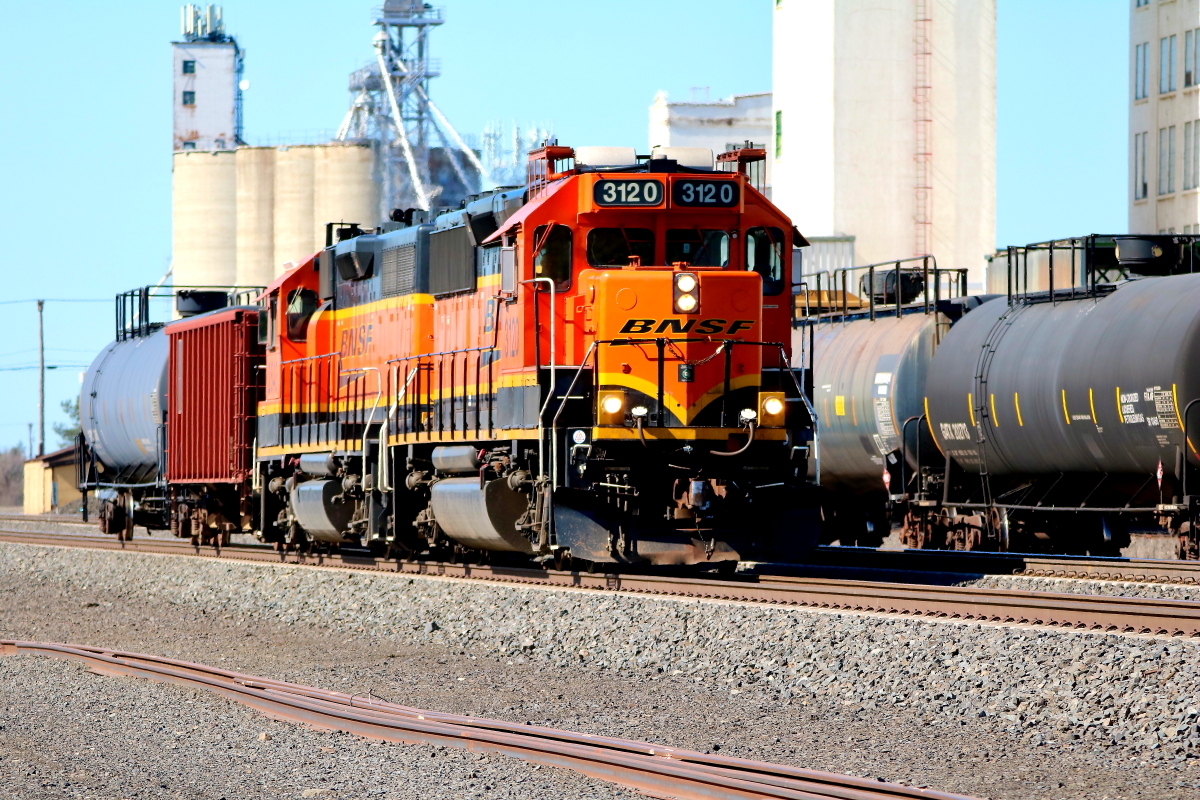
point(1186, 444)
point(904, 452)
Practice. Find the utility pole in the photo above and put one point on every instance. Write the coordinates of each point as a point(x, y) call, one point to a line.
point(29, 452)
point(41, 383)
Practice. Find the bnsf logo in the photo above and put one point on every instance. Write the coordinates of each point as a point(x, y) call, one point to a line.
point(706, 326)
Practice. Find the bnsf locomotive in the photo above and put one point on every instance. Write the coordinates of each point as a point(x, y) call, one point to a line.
point(594, 367)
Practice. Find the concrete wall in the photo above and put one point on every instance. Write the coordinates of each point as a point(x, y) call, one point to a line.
point(209, 123)
point(204, 218)
point(295, 239)
point(343, 187)
point(255, 216)
point(1174, 209)
point(843, 89)
point(240, 215)
point(713, 125)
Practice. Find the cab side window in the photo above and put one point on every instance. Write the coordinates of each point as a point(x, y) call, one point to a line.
point(552, 255)
point(764, 255)
point(302, 304)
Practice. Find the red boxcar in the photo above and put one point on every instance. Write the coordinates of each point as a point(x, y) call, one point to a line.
point(213, 390)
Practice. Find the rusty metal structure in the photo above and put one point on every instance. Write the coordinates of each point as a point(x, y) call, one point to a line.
point(656, 770)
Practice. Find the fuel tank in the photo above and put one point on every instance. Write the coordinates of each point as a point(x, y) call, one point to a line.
point(1090, 385)
point(869, 378)
point(482, 518)
point(124, 400)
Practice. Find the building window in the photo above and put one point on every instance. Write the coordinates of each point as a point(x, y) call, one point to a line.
point(1166, 64)
point(778, 134)
point(1187, 156)
point(1166, 160)
point(189, 145)
point(189, 68)
point(1139, 166)
point(1141, 62)
point(1142, 3)
point(189, 98)
point(1191, 156)
point(1191, 43)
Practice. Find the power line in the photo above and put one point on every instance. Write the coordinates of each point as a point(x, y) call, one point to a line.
point(59, 300)
point(48, 366)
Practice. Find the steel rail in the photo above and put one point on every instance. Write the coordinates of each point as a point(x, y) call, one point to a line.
point(1154, 616)
point(649, 768)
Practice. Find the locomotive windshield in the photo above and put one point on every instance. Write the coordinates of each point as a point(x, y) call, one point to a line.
point(612, 247)
point(698, 248)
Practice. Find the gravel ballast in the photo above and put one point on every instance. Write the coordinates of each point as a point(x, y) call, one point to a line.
point(979, 709)
point(70, 733)
point(1108, 588)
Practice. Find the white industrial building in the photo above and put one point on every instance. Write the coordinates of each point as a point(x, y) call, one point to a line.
point(1164, 116)
point(207, 84)
point(719, 126)
point(241, 214)
point(884, 126)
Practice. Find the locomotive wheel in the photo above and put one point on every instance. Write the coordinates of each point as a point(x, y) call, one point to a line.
point(562, 560)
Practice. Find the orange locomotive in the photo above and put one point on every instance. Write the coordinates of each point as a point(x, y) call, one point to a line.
point(595, 366)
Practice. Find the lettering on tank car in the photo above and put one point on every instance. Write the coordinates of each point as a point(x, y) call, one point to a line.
point(883, 417)
point(955, 431)
point(1164, 407)
point(705, 327)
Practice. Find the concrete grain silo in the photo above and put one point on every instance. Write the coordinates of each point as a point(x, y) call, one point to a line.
point(204, 217)
point(344, 189)
point(295, 238)
point(255, 215)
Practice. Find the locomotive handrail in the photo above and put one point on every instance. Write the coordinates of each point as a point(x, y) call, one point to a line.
point(538, 366)
point(378, 396)
point(385, 477)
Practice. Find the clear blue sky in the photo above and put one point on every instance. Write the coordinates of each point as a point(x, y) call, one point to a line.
point(86, 135)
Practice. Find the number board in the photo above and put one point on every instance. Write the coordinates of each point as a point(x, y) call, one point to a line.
point(628, 193)
point(706, 194)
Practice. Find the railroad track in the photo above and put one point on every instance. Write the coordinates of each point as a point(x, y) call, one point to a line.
point(1085, 612)
point(648, 768)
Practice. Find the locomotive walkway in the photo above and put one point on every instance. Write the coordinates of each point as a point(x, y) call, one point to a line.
point(653, 769)
point(1086, 612)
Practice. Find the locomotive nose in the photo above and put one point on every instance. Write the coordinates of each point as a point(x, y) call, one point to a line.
point(665, 337)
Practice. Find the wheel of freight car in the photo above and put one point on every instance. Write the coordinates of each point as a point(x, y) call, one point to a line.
point(563, 560)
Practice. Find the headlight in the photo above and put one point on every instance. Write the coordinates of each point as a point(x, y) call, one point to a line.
point(639, 411)
point(772, 409)
point(610, 410)
point(748, 415)
point(686, 292)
